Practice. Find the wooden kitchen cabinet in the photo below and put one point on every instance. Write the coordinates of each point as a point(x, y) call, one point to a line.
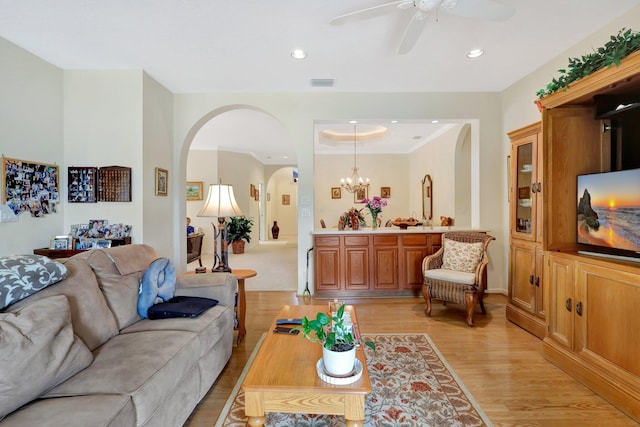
point(377, 263)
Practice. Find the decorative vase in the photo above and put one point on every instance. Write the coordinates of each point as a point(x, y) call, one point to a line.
point(275, 230)
point(374, 220)
point(339, 363)
point(238, 246)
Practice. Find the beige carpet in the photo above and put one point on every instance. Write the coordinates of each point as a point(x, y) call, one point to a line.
point(412, 386)
point(275, 262)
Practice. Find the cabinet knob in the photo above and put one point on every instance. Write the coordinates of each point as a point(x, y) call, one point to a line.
point(579, 308)
point(538, 281)
point(539, 187)
point(533, 187)
point(567, 304)
point(531, 279)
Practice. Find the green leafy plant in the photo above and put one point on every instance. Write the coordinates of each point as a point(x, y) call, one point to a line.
point(618, 47)
point(238, 228)
point(338, 337)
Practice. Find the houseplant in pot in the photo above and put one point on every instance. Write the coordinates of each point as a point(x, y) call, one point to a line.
point(337, 338)
point(239, 230)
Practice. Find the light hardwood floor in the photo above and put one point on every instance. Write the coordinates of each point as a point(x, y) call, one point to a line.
point(500, 363)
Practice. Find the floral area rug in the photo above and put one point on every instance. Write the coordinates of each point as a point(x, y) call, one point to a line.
point(412, 385)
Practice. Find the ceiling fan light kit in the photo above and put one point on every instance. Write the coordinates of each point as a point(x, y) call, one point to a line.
point(475, 9)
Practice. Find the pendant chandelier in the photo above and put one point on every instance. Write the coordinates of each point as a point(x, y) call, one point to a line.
point(354, 183)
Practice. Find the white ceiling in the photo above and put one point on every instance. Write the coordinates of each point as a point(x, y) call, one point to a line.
point(203, 46)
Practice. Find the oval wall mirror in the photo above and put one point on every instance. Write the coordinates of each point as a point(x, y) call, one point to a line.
point(427, 200)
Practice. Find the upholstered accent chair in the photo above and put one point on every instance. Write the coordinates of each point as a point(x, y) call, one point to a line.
point(194, 248)
point(457, 271)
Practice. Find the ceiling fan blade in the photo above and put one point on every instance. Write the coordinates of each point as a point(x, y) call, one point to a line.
point(481, 9)
point(412, 33)
point(369, 12)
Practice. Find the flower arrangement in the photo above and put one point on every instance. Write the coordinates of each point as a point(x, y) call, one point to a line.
point(375, 206)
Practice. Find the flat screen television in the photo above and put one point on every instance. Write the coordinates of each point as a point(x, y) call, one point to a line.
point(609, 212)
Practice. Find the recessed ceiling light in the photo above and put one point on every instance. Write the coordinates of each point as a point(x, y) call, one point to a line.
point(394, 121)
point(435, 121)
point(353, 122)
point(285, 157)
point(298, 54)
point(475, 53)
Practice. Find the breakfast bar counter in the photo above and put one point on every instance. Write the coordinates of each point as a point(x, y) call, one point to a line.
point(386, 261)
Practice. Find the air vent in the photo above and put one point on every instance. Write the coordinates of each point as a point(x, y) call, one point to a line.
point(322, 82)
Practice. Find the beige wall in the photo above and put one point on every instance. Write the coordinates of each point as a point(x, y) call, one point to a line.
point(383, 170)
point(157, 151)
point(298, 111)
point(30, 129)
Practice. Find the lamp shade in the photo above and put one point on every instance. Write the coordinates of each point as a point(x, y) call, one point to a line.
point(220, 202)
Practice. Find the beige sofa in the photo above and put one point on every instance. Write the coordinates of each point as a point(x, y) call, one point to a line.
point(139, 372)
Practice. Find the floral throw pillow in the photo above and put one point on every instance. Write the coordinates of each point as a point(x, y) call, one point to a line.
point(461, 256)
point(23, 275)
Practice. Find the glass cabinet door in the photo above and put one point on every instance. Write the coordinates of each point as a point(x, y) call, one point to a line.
point(523, 222)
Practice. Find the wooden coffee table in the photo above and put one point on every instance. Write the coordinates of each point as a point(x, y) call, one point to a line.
point(283, 377)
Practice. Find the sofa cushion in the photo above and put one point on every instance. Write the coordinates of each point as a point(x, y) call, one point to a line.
point(157, 285)
point(24, 275)
point(146, 366)
point(92, 319)
point(118, 271)
point(38, 351)
point(210, 326)
point(96, 410)
point(461, 256)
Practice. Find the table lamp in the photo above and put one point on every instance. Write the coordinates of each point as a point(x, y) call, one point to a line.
point(220, 203)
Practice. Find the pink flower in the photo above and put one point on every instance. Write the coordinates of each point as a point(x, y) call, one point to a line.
point(375, 205)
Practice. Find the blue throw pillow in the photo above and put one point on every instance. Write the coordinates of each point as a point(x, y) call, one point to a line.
point(158, 284)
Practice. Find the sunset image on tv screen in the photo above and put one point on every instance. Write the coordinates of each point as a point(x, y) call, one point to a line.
point(609, 209)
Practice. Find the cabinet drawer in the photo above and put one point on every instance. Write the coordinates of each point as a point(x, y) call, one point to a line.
point(328, 241)
point(385, 240)
point(356, 240)
point(415, 240)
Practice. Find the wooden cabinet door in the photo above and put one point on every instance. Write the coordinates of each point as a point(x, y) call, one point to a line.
point(607, 327)
point(415, 247)
point(541, 302)
point(525, 183)
point(522, 290)
point(560, 282)
point(327, 268)
point(356, 268)
point(385, 262)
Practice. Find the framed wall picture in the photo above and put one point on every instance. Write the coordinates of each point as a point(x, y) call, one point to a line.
point(114, 184)
point(30, 186)
point(82, 184)
point(256, 195)
point(360, 195)
point(286, 199)
point(385, 192)
point(194, 190)
point(252, 190)
point(336, 192)
point(162, 182)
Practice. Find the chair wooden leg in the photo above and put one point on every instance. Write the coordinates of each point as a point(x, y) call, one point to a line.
point(427, 300)
point(471, 299)
point(481, 302)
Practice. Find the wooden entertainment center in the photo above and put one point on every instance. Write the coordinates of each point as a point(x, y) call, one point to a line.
point(584, 307)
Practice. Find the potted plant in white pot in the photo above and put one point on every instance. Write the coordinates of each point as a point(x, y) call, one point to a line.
point(337, 339)
point(239, 230)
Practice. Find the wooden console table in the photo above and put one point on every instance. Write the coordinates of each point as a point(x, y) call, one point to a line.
point(66, 253)
point(242, 302)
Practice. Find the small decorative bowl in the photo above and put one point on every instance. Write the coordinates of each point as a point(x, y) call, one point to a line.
point(404, 225)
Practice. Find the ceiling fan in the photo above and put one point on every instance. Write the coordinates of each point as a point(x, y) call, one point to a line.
point(478, 9)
